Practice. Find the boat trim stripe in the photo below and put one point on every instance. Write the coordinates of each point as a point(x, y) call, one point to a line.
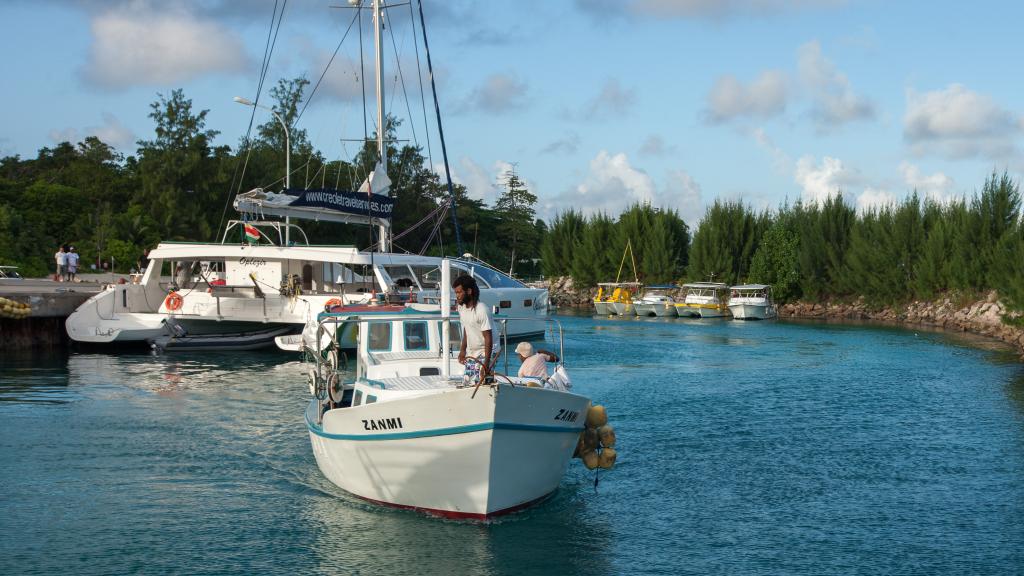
point(440, 431)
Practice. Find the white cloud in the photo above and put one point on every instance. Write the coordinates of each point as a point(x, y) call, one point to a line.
point(834, 102)
point(112, 132)
point(959, 123)
point(937, 186)
point(873, 199)
point(142, 46)
point(819, 182)
point(612, 184)
point(764, 97)
point(498, 94)
point(480, 183)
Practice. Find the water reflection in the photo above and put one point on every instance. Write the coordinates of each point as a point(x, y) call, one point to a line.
point(558, 536)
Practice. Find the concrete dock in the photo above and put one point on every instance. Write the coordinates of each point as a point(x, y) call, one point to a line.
point(51, 303)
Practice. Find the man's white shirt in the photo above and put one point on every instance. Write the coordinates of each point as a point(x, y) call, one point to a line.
point(474, 321)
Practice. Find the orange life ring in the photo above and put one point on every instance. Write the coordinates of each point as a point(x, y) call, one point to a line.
point(332, 303)
point(174, 301)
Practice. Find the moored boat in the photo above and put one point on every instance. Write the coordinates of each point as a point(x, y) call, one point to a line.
point(752, 302)
point(656, 301)
point(703, 300)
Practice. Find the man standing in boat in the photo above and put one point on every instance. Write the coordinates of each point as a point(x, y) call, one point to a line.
point(477, 325)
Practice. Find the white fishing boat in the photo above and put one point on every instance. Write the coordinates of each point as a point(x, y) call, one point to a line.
point(656, 301)
point(410, 431)
point(752, 302)
point(703, 300)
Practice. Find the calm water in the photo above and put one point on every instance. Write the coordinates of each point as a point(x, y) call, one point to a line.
point(744, 448)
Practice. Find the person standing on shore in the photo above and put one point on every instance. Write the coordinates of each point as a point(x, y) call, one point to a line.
point(61, 258)
point(72, 264)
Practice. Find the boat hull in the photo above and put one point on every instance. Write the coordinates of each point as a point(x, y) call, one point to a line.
point(645, 309)
point(624, 308)
point(687, 311)
point(448, 453)
point(752, 311)
point(665, 310)
point(714, 312)
point(602, 308)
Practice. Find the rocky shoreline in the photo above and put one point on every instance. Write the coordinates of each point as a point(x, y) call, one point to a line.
point(982, 317)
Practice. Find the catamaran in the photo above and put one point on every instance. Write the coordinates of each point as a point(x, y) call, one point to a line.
point(752, 302)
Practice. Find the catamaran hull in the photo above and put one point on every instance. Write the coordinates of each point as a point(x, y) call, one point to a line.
point(603, 308)
point(664, 310)
point(685, 311)
point(751, 311)
point(448, 453)
point(645, 309)
point(624, 308)
point(713, 312)
point(102, 320)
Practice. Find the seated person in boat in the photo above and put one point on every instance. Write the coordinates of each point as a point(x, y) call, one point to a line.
point(534, 361)
point(477, 325)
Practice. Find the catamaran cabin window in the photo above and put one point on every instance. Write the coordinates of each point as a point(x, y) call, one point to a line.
point(505, 304)
point(358, 398)
point(415, 335)
point(370, 399)
point(527, 303)
point(380, 336)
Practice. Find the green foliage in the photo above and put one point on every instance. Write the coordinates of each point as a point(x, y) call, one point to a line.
point(725, 242)
point(777, 259)
point(561, 242)
point(517, 224)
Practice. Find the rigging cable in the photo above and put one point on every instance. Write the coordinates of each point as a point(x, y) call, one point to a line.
point(268, 50)
point(440, 131)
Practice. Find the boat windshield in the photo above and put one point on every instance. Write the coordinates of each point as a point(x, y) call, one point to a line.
point(492, 277)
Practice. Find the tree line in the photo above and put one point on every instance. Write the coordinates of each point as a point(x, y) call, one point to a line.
point(912, 250)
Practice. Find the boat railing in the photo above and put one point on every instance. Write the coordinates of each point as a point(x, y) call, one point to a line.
point(279, 227)
point(328, 352)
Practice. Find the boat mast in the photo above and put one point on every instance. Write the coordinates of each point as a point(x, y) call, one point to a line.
point(378, 27)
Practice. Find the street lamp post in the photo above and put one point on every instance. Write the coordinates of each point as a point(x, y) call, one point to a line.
point(287, 156)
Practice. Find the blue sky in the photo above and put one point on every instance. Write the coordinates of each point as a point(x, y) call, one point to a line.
point(597, 103)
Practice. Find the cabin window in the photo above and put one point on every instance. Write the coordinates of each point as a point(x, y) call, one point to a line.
point(380, 336)
point(370, 398)
point(415, 335)
point(505, 304)
point(358, 398)
point(527, 303)
point(455, 335)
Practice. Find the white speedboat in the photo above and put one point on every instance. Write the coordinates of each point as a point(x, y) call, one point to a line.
point(656, 301)
point(703, 300)
point(411, 432)
point(752, 302)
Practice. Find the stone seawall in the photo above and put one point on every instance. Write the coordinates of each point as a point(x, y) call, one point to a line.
point(984, 317)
